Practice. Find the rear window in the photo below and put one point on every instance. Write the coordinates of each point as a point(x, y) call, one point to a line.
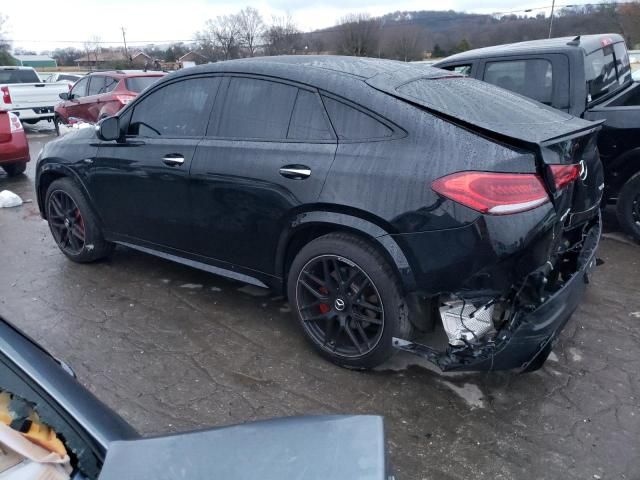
point(19, 76)
point(532, 78)
point(607, 69)
point(138, 84)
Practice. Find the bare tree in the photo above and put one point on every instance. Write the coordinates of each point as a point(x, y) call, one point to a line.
point(406, 42)
point(250, 29)
point(92, 48)
point(5, 45)
point(359, 35)
point(282, 37)
point(221, 37)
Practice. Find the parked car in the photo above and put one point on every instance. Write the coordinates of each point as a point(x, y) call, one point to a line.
point(62, 77)
point(381, 197)
point(26, 95)
point(588, 76)
point(14, 148)
point(99, 95)
point(101, 444)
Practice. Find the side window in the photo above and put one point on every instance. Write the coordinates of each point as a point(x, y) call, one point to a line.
point(531, 78)
point(80, 88)
point(352, 124)
point(459, 69)
point(308, 121)
point(179, 109)
point(96, 85)
point(256, 108)
point(109, 84)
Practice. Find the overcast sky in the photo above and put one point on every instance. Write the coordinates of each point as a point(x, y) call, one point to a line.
point(46, 24)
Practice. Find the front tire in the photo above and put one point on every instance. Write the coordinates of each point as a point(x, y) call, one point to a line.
point(628, 207)
point(348, 301)
point(73, 224)
point(15, 169)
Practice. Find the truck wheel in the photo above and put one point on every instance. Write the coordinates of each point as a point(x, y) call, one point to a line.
point(628, 208)
point(73, 224)
point(15, 169)
point(348, 301)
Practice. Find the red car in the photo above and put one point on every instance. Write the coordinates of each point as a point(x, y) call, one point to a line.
point(14, 148)
point(101, 94)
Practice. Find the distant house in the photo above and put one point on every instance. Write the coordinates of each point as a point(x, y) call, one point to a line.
point(108, 58)
point(35, 61)
point(192, 57)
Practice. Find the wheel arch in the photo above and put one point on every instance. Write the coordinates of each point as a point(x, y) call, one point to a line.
point(48, 174)
point(311, 225)
point(624, 167)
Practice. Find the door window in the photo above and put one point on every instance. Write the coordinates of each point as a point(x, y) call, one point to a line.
point(532, 78)
point(179, 109)
point(352, 124)
point(96, 85)
point(80, 88)
point(256, 108)
point(308, 121)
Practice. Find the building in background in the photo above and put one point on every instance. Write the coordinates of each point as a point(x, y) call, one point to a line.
point(35, 61)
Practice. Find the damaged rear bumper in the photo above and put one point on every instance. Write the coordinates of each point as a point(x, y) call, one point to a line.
point(526, 341)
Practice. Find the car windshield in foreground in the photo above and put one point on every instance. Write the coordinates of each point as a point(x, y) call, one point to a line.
point(138, 84)
point(18, 76)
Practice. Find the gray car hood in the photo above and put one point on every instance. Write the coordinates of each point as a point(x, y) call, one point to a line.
point(309, 448)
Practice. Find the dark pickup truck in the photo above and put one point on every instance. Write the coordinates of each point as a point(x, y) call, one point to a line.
point(587, 76)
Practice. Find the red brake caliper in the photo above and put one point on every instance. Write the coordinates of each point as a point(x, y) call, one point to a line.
point(80, 220)
point(324, 307)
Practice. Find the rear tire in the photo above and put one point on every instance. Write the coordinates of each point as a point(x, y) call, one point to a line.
point(628, 207)
point(56, 125)
point(73, 224)
point(15, 169)
point(348, 301)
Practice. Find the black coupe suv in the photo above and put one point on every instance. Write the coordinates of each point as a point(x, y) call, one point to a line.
point(383, 199)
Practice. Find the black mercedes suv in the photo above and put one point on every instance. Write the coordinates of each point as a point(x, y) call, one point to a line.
point(384, 199)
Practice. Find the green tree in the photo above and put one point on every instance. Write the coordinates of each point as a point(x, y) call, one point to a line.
point(463, 46)
point(438, 52)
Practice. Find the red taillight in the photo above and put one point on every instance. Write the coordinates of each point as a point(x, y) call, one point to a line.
point(492, 192)
point(563, 175)
point(14, 123)
point(6, 96)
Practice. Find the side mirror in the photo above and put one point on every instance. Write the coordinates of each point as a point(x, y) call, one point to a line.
point(64, 95)
point(109, 129)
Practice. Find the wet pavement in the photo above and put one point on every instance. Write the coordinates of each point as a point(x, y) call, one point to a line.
point(171, 348)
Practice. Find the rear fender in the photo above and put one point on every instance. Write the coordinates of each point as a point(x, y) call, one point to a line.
point(334, 221)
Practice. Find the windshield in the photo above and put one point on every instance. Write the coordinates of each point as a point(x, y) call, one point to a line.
point(138, 84)
point(18, 76)
point(607, 69)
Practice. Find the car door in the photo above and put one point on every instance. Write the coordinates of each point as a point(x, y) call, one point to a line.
point(144, 189)
point(267, 152)
point(88, 106)
point(79, 91)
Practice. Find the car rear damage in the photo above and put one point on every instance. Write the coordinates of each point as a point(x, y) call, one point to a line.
point(522, 266)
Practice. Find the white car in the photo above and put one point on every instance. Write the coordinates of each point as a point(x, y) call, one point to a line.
point(24, 94)
point(62, 77)
point(636, 75)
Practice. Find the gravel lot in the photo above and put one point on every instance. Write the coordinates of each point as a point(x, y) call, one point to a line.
point(172, 348)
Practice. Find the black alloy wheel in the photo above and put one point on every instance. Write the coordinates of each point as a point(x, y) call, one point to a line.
point(340, 306)
point(66, 222)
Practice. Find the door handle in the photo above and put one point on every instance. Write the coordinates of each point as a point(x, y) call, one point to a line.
point(295, 172)
point(173, 159)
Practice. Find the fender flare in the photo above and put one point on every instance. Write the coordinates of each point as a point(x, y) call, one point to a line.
point(345, 222)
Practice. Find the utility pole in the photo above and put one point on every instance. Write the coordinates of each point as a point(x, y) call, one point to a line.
point(553, 5)
point(124, 39)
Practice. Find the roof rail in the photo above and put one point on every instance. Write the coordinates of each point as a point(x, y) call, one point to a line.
point(575, 42)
